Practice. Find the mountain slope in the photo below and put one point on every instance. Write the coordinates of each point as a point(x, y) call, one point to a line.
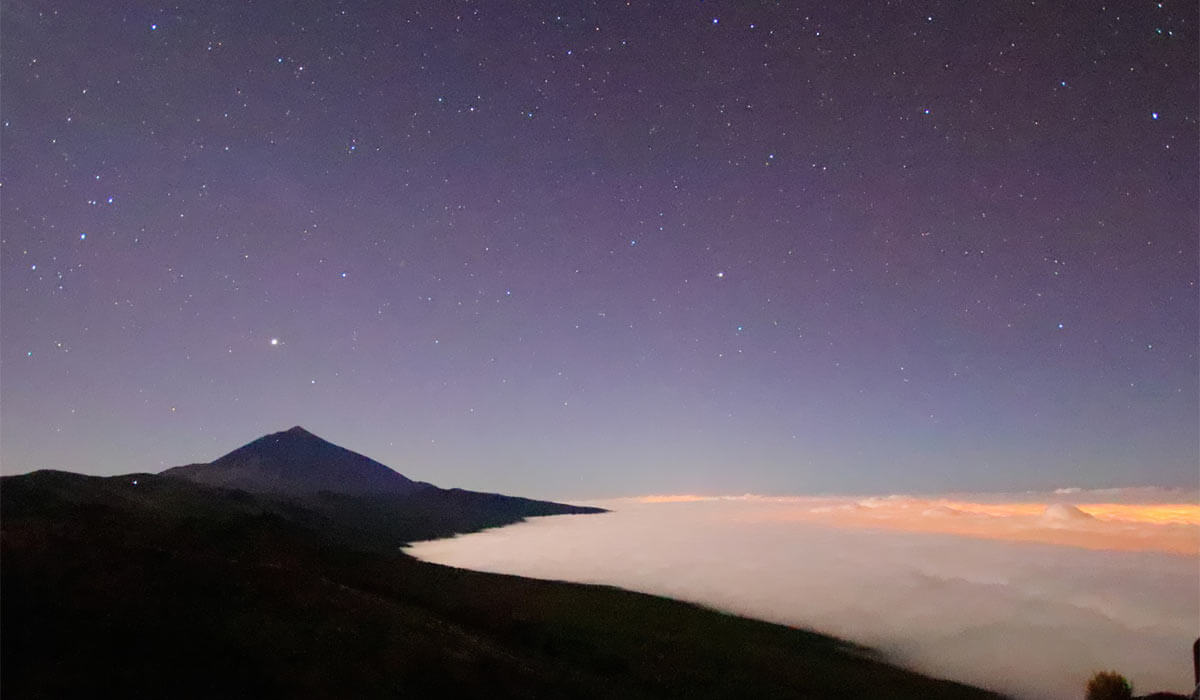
point(359, 499)
point(295, 462)
point(168, 588)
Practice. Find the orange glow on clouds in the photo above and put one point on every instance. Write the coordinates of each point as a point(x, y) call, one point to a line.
point(1162, 527)
point(674, 498)
point(1183, 513)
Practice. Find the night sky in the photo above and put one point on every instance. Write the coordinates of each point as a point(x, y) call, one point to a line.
point(590, 249)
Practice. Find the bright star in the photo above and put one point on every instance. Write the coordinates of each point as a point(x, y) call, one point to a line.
point(274, 341)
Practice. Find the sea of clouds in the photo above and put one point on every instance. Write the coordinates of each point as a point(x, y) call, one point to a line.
point(1017, 594)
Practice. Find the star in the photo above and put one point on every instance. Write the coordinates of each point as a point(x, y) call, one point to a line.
point(530, 170)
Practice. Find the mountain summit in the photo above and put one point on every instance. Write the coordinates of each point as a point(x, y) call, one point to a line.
point(296, 462)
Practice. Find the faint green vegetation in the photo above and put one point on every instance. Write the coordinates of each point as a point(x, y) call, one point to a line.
point(1108, 685)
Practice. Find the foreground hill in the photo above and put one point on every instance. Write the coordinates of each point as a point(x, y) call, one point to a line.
point(157, 586)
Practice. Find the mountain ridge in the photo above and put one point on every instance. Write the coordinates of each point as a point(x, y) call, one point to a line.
point(360, 499)
point(297, 462)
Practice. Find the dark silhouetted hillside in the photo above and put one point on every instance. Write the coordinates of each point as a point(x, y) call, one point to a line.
point(359, 498)
point(158, 586)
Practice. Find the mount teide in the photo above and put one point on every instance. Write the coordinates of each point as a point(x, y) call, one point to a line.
point(295, 462)
point(360, 499)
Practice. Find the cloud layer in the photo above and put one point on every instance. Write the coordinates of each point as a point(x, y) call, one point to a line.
point(980, 590)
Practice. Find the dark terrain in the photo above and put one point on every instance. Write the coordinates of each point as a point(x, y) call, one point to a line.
point(160, 586)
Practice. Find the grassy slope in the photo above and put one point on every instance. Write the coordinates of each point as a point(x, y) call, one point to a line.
point(173, 589)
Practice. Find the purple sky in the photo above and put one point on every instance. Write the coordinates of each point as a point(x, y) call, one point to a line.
point(584, 249)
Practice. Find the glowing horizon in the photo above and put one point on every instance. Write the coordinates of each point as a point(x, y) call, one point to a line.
point(1070, 520)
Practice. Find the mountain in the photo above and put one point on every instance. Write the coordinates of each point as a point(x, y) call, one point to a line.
point(360, 500)
point(295, 462)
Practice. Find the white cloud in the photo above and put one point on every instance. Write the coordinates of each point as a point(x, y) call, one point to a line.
point(1022, 617)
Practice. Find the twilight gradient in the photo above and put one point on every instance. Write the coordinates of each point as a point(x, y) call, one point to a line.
point(580, 249)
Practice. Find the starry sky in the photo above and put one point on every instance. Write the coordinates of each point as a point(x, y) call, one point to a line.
point(589, 249)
